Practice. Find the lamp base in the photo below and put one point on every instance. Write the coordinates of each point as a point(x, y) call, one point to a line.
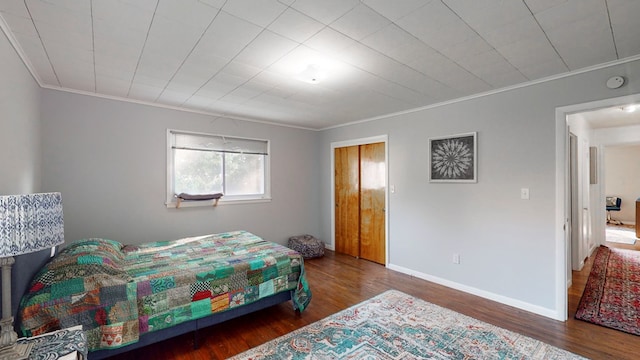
point(15, 351)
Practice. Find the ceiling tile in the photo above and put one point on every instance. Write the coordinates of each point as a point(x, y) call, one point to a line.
point(427, 18)
point(537, 6)
point(240, 95)
point(107, 33)
point(473, 45)
point(266, 49)
point(527, 52)
point(419, 56)
point(261, 13)
point(140, 78)
point(170, 97)
point(526, 27)
point(326, 11)
point(190, 13)
point(488, 60)
point(296, 26)
point(584, 42)
point(239, 69)
point(76, 18)
point(75, 75)
point(390, 38)
point(170, 35)
point(569, 12)
point(113, 68)
point(196, 71)
point(488, 14)
point(111, 86)
point(122, 17)
point(502, 78)
point(625, 23)
point(537, 70)
point(436, 25)
point(20, 25)
point(394, 10)
point(38, 58)
point(360, 22)
point(329, 42)
point(186, 88)
point(227, 36)
point(69, 39)
point(214, 3)
point(141, 91)
point(199, 102)
point(15, 8)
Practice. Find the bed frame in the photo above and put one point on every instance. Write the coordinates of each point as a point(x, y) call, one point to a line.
point(26, 266)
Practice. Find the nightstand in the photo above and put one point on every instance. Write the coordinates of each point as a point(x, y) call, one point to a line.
point(63, 344)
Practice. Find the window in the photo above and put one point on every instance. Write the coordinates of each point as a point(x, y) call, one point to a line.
point(207, 164)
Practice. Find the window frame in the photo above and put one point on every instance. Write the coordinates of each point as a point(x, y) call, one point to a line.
point(170, 200)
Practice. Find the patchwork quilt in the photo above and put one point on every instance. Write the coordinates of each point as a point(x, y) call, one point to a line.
point(118, 293)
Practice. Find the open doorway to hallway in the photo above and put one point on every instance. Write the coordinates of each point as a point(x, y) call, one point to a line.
point(612, 135)
point(594, 134)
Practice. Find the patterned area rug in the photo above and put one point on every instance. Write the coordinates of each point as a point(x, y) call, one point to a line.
point(394, 325)
point(611, 296)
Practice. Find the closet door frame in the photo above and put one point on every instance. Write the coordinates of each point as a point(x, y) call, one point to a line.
point(361, 141)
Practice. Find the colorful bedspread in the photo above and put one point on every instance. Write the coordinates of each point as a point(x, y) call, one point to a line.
point(121, 292)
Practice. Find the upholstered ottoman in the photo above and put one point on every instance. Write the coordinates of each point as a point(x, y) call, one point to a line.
point(307, 245)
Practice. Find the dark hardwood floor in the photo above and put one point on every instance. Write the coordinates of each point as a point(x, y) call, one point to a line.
point(339, 281)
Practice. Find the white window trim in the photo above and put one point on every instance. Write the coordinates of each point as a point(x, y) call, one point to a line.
point(170, 200)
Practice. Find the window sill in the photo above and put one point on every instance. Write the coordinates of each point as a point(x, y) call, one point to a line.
point(209, 203)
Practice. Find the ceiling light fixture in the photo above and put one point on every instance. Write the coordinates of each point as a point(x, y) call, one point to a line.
point(629, 108)
point(313, 74)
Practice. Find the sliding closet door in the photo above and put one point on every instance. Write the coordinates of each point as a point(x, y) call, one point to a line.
point(347, 198)
point(372, 202)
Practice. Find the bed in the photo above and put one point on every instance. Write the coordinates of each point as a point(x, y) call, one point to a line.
point(126, 297)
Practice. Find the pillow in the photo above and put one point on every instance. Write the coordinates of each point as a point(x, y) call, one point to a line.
point(612, 200)
point(96, 246)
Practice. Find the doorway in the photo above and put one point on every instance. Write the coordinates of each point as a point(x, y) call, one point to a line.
point(359, 194)
point(563, 193)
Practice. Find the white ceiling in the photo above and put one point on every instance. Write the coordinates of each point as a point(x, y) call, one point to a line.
point(243, 58)
point(616, 116)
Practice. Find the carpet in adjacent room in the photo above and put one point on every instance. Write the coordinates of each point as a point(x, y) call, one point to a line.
point(610, 297)
point(621, 234)
point(394, 325)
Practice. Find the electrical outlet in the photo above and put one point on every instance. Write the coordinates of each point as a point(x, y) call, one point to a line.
point(456, 258)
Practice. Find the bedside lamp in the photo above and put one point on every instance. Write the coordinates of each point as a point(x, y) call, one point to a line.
point(28, 223)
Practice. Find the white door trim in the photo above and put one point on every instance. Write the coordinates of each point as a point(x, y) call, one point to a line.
point(562, 134)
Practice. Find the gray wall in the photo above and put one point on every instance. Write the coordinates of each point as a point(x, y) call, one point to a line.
point(507, 245)
point(108, 158)
point(20, 147)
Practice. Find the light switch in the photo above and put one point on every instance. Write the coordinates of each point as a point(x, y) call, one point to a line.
point(393, 189)
point(524, 193)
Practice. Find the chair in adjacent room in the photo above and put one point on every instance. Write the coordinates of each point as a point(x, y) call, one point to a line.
point(613, 203)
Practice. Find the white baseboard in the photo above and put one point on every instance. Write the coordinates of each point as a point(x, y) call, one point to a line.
point(550, 313)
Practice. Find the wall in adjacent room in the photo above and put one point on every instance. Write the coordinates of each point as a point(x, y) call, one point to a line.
point(19, 125)
point(508, 246)
point(108, 158)
point(622, 173)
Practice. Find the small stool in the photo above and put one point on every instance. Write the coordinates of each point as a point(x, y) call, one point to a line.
point(307, 245)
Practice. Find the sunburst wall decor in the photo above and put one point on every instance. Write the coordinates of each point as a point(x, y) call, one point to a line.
point(453, 158)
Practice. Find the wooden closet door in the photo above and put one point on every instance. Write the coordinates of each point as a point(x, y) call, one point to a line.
point(347, 198)
point(372, 202)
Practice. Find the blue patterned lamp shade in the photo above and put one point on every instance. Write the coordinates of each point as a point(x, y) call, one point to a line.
point(30, 223)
